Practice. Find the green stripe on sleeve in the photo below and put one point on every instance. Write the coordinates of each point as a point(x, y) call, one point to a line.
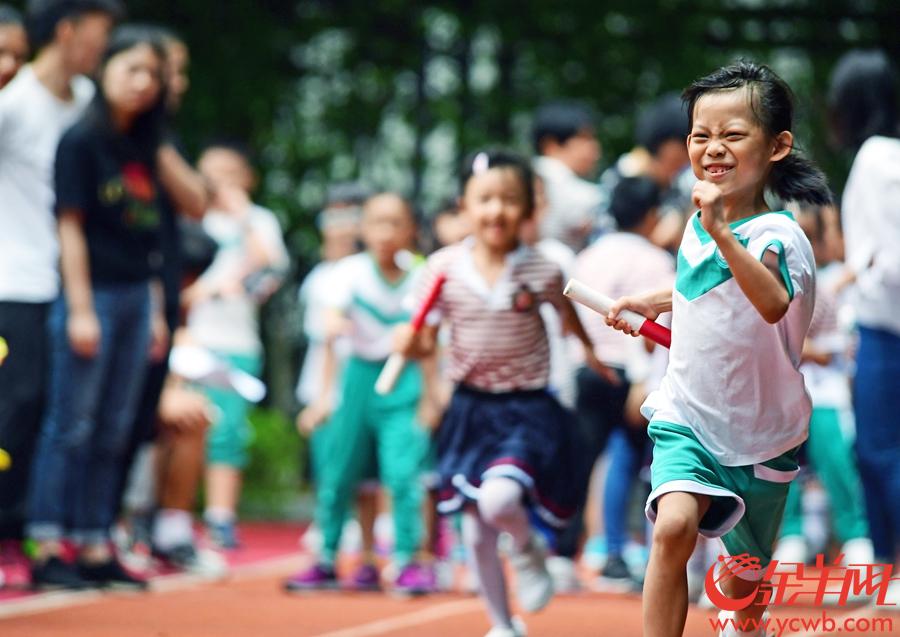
point(782, 265)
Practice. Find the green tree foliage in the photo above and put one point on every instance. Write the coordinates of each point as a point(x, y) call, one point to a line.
point(394, 91)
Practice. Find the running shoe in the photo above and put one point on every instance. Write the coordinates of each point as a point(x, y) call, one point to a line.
point(366, 578)
point(534, 586)
point(315, 578)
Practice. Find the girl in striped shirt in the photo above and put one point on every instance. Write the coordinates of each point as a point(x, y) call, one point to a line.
point(505, 442)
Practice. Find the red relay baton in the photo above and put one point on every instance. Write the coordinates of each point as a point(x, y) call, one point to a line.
point(589, 297)
point(396, 361)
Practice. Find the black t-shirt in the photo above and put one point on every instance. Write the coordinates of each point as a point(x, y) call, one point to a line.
point(104, 176)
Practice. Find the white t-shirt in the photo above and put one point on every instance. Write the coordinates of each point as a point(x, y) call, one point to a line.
point(32, 121)
point(871, 218)
point(828, 385)
point(313, 293)
point(230, 323)
point(572, 202)
point(374, 305)
point(313, 296)
point(733, 378)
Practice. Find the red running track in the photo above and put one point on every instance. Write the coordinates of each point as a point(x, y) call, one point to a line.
point(250, 603)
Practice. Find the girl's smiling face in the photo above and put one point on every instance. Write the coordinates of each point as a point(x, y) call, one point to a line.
point(729, 148)
point(496, 203)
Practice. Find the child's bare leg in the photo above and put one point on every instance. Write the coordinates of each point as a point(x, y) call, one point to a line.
point(736, 588)
point(500, 506)
point(481, 540)
point(429, 549)
point(223, 488)
point(367, 513)
point(665, 586)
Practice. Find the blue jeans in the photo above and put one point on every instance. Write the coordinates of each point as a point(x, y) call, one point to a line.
point(626, 449)
point(876, 402)
point(91, 405)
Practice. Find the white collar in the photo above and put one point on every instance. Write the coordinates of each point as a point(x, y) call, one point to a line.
point(500, 295)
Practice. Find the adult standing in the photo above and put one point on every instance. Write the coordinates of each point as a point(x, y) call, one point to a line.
point(864, 109)
point(36, 107)
point(155, 445)
point(108, 180)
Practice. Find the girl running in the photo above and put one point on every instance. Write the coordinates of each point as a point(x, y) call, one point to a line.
point(366, 299)
point(732, 409)
point(504, 441)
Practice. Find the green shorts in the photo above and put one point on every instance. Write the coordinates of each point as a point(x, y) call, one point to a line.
point(230, 435)
point(747, 501)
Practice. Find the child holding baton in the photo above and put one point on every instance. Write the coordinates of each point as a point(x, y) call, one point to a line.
point(368, 292)
point(732, 409)
point(504, 442)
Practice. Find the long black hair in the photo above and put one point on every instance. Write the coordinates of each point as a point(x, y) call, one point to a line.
point(146, 132)
point(794, 178)
point(862, 99)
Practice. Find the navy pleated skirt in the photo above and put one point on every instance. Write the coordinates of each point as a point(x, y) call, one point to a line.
point(523, 435)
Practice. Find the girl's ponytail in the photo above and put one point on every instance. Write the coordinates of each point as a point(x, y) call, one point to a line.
point(795, 178)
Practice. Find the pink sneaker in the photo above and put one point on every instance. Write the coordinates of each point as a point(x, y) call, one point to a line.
point(416, 579)
point(15, 567)
point(316, 578)
point(366, 578)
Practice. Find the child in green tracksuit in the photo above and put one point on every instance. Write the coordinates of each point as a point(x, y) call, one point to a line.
point(367, 300)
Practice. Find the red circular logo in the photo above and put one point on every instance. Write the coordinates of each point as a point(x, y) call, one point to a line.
point(727, 568)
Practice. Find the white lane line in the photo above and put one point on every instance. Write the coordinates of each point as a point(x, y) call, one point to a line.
point(418, 618)
point(46, 602)
point(264, 568)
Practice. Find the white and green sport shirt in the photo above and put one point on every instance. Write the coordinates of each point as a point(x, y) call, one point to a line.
point(374, 305)
point(733, 378)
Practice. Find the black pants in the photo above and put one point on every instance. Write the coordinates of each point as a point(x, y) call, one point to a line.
point(599, 408)
point(23, 377)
